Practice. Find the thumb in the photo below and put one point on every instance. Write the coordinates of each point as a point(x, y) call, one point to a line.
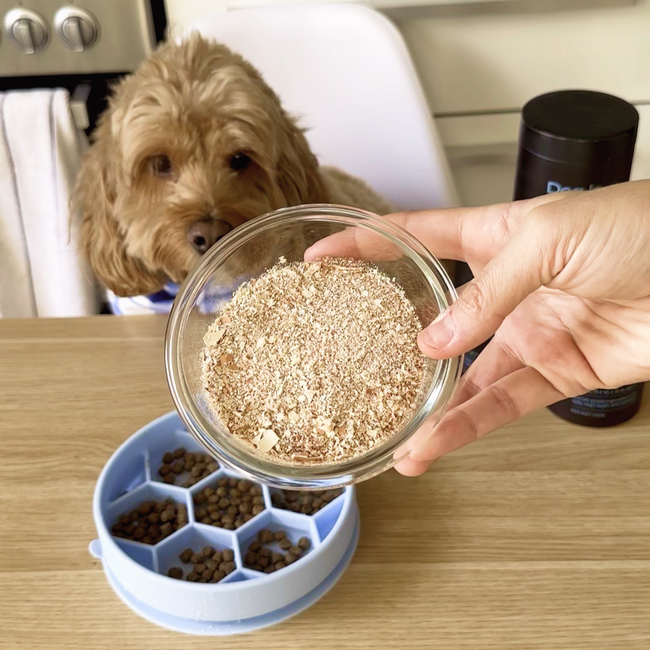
point(519, 268)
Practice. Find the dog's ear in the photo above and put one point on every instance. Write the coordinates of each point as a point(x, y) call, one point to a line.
point(298, 176)
point(101, 241)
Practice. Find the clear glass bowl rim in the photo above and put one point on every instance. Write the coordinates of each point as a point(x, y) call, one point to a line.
point(236, 456)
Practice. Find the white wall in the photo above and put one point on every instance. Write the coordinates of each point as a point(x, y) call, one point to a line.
point(481, 64)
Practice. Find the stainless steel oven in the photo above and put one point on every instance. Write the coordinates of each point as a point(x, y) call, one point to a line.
point(82, 46)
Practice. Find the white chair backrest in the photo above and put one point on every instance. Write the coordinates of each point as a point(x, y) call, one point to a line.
point(345, 72)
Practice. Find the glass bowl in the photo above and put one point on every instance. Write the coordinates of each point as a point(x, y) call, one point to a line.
point(246, 253)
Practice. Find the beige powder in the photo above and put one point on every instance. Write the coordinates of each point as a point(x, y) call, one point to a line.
point(314, 362)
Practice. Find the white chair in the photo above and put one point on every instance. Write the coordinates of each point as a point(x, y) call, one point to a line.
point(345, 71)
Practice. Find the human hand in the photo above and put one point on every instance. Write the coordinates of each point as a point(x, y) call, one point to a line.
point(563, 283)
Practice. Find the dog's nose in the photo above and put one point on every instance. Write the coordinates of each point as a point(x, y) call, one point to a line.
point(204, 233)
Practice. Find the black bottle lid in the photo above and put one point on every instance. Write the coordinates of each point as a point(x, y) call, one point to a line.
point(576, 127)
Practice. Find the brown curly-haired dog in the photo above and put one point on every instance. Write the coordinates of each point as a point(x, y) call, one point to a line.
point(192, 145)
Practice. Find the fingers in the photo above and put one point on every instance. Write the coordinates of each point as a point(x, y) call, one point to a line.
point(447, 234)
point(493, 363)
point(522, 266)
point(505, 401)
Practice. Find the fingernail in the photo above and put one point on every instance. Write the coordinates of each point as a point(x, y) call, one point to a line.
point(439, 334)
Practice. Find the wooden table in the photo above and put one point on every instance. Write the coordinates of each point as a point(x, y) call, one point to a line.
point(536, 538)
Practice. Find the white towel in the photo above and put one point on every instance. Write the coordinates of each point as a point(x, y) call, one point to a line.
point(41, 271)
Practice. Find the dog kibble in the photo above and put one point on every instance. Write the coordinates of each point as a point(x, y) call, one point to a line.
point(208, 564)
point(265, 536)
point(151, 521)
point(176, 573)
point(308, 502)
point(228, 505)
point(304, 543)
point(268, 560)
point(294, 395)
point(175, 463)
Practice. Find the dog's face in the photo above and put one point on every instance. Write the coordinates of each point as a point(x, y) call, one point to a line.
point(193, 145)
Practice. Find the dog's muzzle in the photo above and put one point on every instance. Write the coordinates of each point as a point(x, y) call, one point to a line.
point(204, 233)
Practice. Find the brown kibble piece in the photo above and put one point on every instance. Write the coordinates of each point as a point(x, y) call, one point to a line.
point(250, 558)
point(290, 558)
point(228, 554)
point(192, 576)
point(147, 539)
point(176, 573)
point(170, 479)
point(186, 556)
point(265, 536)
point(168, 458)
point(166, 529)
point(230, 567)
point(279, 565)
point(139, 532)
point(254, 546)
point(164, 470)
point(200, 567)
point(208, 551)
point(285, 544)
point(304, 543)
point(277, 557)
point(197, 558)
point(153, 518)
point(265, 552)
point(296, 550)
point(179, 453)
point(178, 467)
point(207, 574)
point(269, 569)
point(280, 535)
point(257, 510)
point(212, 564)
point(218, 575)
point(263, 561)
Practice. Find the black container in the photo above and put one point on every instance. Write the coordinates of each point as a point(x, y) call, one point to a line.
point(579, 140)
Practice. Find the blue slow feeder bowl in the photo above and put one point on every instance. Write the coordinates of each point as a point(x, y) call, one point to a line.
point(246, 599)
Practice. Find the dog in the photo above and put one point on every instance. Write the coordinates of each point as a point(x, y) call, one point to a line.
point(192, 145)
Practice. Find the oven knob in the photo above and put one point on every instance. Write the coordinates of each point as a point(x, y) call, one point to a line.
point(78, 29)
point(27, 30)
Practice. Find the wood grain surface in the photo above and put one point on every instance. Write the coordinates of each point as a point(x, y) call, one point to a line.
point(536, 538)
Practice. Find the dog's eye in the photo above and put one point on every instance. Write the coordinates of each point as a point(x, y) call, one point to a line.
point(239, 162)
point(161, 165)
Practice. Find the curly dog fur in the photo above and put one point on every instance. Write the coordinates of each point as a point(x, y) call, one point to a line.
point(194, 135)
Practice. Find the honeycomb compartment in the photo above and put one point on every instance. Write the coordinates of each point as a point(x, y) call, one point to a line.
point(308, 502)
point(213, 511)
point(145, 493)
point(196, 538)
point(294, 525)
point(176, 439)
